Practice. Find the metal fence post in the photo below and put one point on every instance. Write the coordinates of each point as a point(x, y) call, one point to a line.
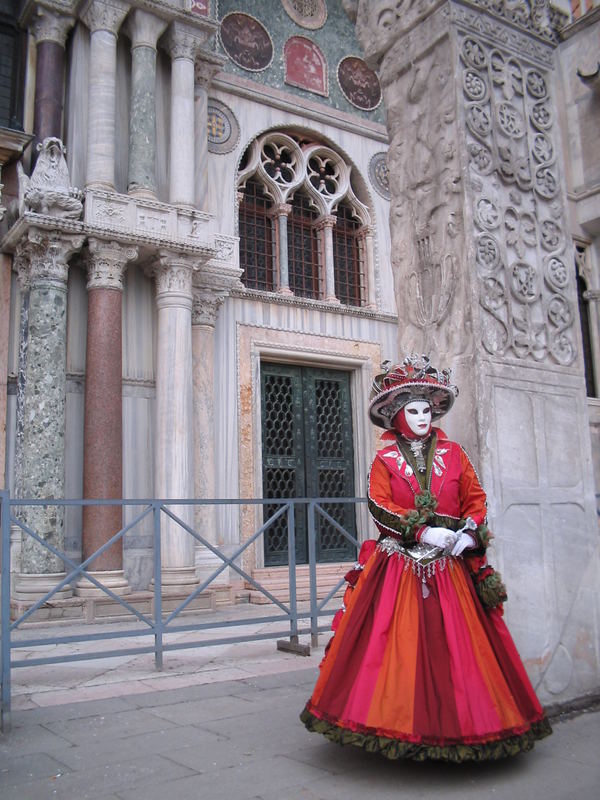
point(312, 569)
point(158, 621)
point(5, 602)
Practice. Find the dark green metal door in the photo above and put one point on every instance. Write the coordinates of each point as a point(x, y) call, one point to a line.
point(307, 452)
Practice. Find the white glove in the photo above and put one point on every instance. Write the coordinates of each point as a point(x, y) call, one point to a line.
point(443, 538)
point(464, 541)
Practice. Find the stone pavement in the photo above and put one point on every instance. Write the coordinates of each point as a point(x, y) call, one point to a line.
point(222, 722)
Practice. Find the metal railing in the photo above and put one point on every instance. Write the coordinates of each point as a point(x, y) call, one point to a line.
point(157, 624)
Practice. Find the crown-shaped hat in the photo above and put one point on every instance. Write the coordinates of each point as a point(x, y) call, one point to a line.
point(413, 379)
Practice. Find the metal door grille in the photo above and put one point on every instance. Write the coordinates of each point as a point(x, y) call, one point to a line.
point(307, 451)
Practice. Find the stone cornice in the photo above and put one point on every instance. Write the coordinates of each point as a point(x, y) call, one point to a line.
point(294, 104)
point(12, 144)
point(313, 305)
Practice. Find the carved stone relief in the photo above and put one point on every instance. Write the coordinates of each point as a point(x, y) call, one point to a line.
point(426, 212)
point(521, 246)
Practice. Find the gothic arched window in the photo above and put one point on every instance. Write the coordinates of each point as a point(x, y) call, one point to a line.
point(349, 277)
point(303, 230)
point(303, 255)
point(256, 240)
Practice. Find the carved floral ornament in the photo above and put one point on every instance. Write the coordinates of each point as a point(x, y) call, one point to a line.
point(521, 247)
point(282, 165)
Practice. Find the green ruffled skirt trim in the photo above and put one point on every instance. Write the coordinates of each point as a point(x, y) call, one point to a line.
point(456, 753)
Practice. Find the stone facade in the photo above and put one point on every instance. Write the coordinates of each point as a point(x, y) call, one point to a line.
point(136, 339)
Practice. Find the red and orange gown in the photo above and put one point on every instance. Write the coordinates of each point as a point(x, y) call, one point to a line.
point(421, 664)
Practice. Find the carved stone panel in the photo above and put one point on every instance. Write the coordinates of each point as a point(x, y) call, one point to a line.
point(523, 254)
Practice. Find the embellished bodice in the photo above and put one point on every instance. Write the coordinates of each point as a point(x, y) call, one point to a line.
point(441, 475)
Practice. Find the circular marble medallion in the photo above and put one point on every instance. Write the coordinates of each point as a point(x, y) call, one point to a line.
point(223, 130)
point(246, 42)
point(379, 174)
point(359, 83)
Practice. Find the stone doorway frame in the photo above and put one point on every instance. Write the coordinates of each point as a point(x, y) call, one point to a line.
point(255, 343)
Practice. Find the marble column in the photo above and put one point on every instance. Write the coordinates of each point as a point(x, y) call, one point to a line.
point(181, 44)
point(174, 455)
point(104, 19)
point(102, 437)
point(50, 31)
point(144, 30)
point(41, 460)
point(325, 229)
point(205, 308)
point(367, 254)
point(280, 213)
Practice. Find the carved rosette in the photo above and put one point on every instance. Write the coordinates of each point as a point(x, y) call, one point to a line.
point(50, 26)
point(101, 15)
point(42, 257)
point(106, 264)
point(522, 249)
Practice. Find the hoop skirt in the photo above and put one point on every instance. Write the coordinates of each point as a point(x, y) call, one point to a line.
point(418, 668)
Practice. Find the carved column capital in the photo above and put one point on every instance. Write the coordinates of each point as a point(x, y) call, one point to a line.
point(42, 256)
point(204, 72)
point(105, 15)
point(326, 221)
point(51, 26)
point(206, 304)
point(365, 231)
point(107, 262)
point(173, 275)
point(181, 41)
point(144, 29)
point(280, 210)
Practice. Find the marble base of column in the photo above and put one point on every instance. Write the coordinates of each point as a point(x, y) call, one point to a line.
point(113, 579)
point(31, 587)
point(207, 563)
point(177, 580)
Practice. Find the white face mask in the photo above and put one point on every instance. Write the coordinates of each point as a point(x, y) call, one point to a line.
point(418, 417)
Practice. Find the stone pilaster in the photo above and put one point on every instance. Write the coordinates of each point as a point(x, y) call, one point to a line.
point(174, 455)
point(144, 30)
point(50, 31)
point(204, 71)
point(483, 260)
point(102, 455)
point(43, 258)
point(324, 228)
point(205, 308)
point(182, 44)
point(103, 18)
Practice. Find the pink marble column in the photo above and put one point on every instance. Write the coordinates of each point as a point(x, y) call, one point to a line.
point(102, 459)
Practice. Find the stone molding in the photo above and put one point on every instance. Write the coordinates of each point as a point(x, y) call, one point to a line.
point(42, 256)
point(182, 41)
point(107, 262)
point(144, 29)
point(50, 25)
point(102, 15)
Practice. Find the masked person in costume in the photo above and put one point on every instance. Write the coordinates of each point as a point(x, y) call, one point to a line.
point(421, 664)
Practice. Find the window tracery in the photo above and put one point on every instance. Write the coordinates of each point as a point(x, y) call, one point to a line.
point(320, 232)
